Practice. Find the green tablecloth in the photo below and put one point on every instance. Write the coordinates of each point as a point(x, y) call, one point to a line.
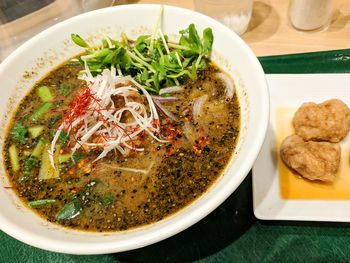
point(231, 233)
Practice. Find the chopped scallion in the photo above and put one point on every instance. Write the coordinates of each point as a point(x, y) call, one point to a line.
point(45, 94)
point(13, 153)
point(41, 202)
point(38, 114)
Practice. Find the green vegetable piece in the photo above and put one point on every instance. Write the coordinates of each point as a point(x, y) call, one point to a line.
point(193, 75)
point(115, 57)
point(41, 202)
point(76, 157)
point(54, 120)
point(79, 41)
point(94, 66)
point(38, 114)
point(190, 38)
point(184, 42)
point(14, 160)
point(104, 42)
point(26, 153)
point(108, 199)
point(63, 158)
point(102, 53)
point(38, 149)
point(159, 68)
point(29, 166)
point(207, 40)
point(156, 81)
point(98, 191)
point(19, 133)
point(202, 64)
point(46, 170)
point(62, 138)
point(166, 95)
point(143, 76)
point(70, 210)
point(65, 90)
point(125, 39)
point(154, 62)
point(92, 189)
point(71, 63)
point(33, 161)
point(141, 39)
point(194, 38)
point(35, 131)
point(45, 94)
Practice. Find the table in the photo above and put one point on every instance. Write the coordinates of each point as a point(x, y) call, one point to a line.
point(231, 233)
point(269, 32)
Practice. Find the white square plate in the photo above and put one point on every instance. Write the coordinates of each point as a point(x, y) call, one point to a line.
point(291, 90)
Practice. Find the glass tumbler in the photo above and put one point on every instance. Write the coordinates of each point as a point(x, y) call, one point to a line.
point(310, 15)
point(235, 14)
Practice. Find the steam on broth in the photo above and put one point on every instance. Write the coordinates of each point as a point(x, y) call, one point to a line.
point(98, 151)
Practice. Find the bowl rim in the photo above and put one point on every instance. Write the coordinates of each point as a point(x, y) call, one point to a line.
point(186, 221)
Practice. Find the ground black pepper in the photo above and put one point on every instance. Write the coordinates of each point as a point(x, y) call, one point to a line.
point(178, 175)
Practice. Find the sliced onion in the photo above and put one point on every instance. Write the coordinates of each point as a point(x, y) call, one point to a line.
point(103, 119)
point(131, 169)
point(164, 99)
point(164, 111)
point(229, 83)
point(169, 89)
point(198, 105)
point(189, 133)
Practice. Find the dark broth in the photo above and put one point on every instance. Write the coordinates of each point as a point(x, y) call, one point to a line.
point(169, 177)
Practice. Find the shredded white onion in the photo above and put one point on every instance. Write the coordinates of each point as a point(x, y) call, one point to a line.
point(164, 99)
point(143, 171)
point(130, 169)
point(198, 105)
point(229, 83)
point(102, 124)
point(169, 89)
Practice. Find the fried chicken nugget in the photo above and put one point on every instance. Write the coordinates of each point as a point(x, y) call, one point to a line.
point(312, 160)
point(327, 121)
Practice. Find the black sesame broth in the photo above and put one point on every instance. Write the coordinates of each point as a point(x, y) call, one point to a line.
point(168, 176)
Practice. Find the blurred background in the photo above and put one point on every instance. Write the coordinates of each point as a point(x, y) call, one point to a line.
point(268, 32)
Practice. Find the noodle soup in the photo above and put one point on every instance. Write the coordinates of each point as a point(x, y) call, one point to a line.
point(161, 166)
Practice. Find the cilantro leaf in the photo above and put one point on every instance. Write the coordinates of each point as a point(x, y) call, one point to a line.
point(154, 62)
point(19, 133)
point(63, 136)
point(207, 40)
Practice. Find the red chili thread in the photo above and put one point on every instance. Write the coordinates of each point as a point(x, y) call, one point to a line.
point(81, 104)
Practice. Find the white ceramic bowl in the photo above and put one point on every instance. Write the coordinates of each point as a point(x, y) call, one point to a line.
point(53, 46)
